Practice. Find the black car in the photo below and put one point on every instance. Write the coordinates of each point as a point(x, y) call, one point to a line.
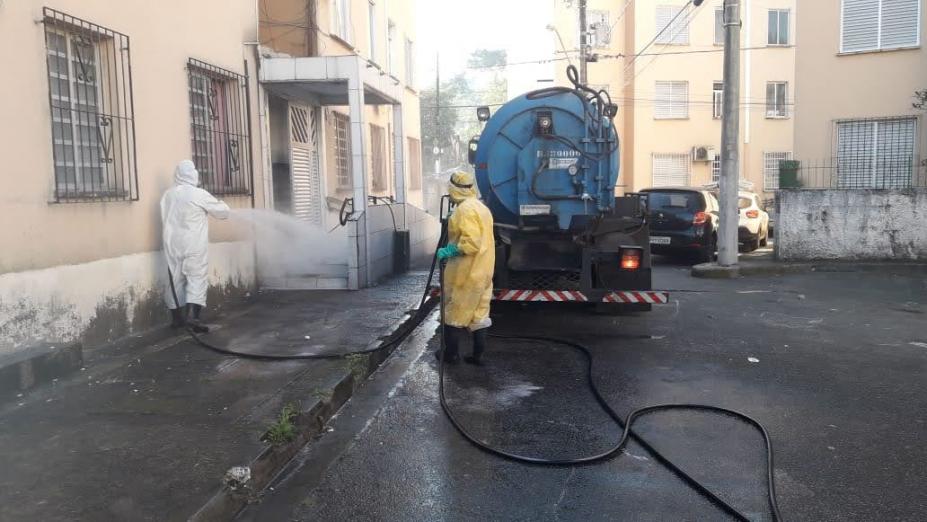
point(683, 220)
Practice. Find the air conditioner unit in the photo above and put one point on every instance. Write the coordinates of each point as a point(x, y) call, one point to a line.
point(703, 154)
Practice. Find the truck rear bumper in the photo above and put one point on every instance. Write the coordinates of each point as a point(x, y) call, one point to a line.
point(613, 296)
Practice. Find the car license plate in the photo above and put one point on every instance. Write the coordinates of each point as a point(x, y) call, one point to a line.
point(659, 240)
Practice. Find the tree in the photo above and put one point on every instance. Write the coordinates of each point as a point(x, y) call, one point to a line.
point(920, 100)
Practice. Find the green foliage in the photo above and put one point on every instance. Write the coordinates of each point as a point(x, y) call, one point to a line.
point(283, 430)
point(920, 100)
point(448, 115)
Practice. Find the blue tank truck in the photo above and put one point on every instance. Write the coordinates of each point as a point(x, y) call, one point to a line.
point(547, 165)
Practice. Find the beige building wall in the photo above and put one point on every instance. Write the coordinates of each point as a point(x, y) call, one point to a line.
point(283, 31)
point(834, 86)
point(109, 249)
point(632, 83)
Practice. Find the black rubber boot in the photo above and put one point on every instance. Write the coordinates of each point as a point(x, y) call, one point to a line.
point(479, 346)
point(177, 320)
point(452, 338)
point(193, 319)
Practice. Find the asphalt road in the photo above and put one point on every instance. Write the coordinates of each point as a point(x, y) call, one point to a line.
point(833, 364)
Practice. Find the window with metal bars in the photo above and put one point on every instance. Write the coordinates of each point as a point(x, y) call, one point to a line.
point(92, 115)
point(771, 162)
point(716, 169)
point(219, 124)
point(415, 164)
point(878, 153)
point(378, 157)
point(342, 127)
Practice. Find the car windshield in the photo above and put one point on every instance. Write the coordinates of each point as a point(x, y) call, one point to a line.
point(674, 201)
point(743, 202)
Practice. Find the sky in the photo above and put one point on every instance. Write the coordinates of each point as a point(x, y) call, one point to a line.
point(455, 28)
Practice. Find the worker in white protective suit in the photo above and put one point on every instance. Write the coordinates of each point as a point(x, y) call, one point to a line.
point(184, 215)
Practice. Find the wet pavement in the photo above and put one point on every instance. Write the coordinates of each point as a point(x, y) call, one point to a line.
point(832, 363)
point(147, 433)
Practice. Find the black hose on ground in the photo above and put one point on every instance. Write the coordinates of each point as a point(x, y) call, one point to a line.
point(625, 424)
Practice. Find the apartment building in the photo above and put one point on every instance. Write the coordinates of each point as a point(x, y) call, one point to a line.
point(662, 63)
point(343, 122)
point(860, 64)
point(100, 101)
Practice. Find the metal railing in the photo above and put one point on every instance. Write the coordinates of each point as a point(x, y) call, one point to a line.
point(220, 126)
point(856, 172)
point(92, 110)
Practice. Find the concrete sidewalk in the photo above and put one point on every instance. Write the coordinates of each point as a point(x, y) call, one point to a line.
point(148, 433)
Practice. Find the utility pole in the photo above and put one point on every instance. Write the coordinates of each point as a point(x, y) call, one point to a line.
point(730, 136)
point(583, 42)
point(437, 147)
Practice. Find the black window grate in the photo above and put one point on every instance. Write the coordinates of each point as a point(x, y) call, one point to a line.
point(220, 126)
point(92, 110)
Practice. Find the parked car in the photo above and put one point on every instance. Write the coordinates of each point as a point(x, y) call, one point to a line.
point(753, 226)
point(683, 220)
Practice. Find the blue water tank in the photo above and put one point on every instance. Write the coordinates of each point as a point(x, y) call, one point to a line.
point(549, 152)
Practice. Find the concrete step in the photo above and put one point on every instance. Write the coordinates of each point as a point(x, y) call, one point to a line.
point(318, 282)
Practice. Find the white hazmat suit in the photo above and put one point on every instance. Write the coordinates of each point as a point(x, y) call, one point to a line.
point(184, 215)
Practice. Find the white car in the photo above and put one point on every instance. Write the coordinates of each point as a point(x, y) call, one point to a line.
point(753, 229)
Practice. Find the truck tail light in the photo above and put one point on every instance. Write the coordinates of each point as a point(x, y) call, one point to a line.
point(753, 214)
point(630, 258)
point(700, 218)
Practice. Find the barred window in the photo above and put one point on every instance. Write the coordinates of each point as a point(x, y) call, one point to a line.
point(716, 169)
point(717, 100)
point(415, 164)
point(876, 153)
point(220, 128)
point(378, 156)
point(771, 168)
point(342, 124)
point(90, 99)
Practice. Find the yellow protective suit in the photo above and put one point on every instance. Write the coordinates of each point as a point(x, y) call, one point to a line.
point(468, 277)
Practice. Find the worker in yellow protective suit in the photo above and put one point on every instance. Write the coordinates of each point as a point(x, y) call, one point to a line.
point(471, 257)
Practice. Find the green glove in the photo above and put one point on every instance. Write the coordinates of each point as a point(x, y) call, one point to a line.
point(448, 252)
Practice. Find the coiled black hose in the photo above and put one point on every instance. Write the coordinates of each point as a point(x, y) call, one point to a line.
point(625, 424)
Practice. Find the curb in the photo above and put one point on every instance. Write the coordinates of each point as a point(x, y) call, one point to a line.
point(715, 271)
point(232, 497)
point(40, 365)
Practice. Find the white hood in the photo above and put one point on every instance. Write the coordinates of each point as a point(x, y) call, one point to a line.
point(186, 174)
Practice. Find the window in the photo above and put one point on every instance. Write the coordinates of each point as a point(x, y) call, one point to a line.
point(341, 20)
point(372, 29)
point(778, 27)
point(771, 168)
point(410, 63)
point(598, 29)
point(342, 127)
point(391, 47)
point(415, 164)
point(777, 100)
point(876, 153)
point(719, 26)
point(874, 25)
point(716, 169)
point(672, 25)
point(672, 101)
point(378, 157)
point(671, 170)
point(90, 99)
point(219, 127)
point(717, 100)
